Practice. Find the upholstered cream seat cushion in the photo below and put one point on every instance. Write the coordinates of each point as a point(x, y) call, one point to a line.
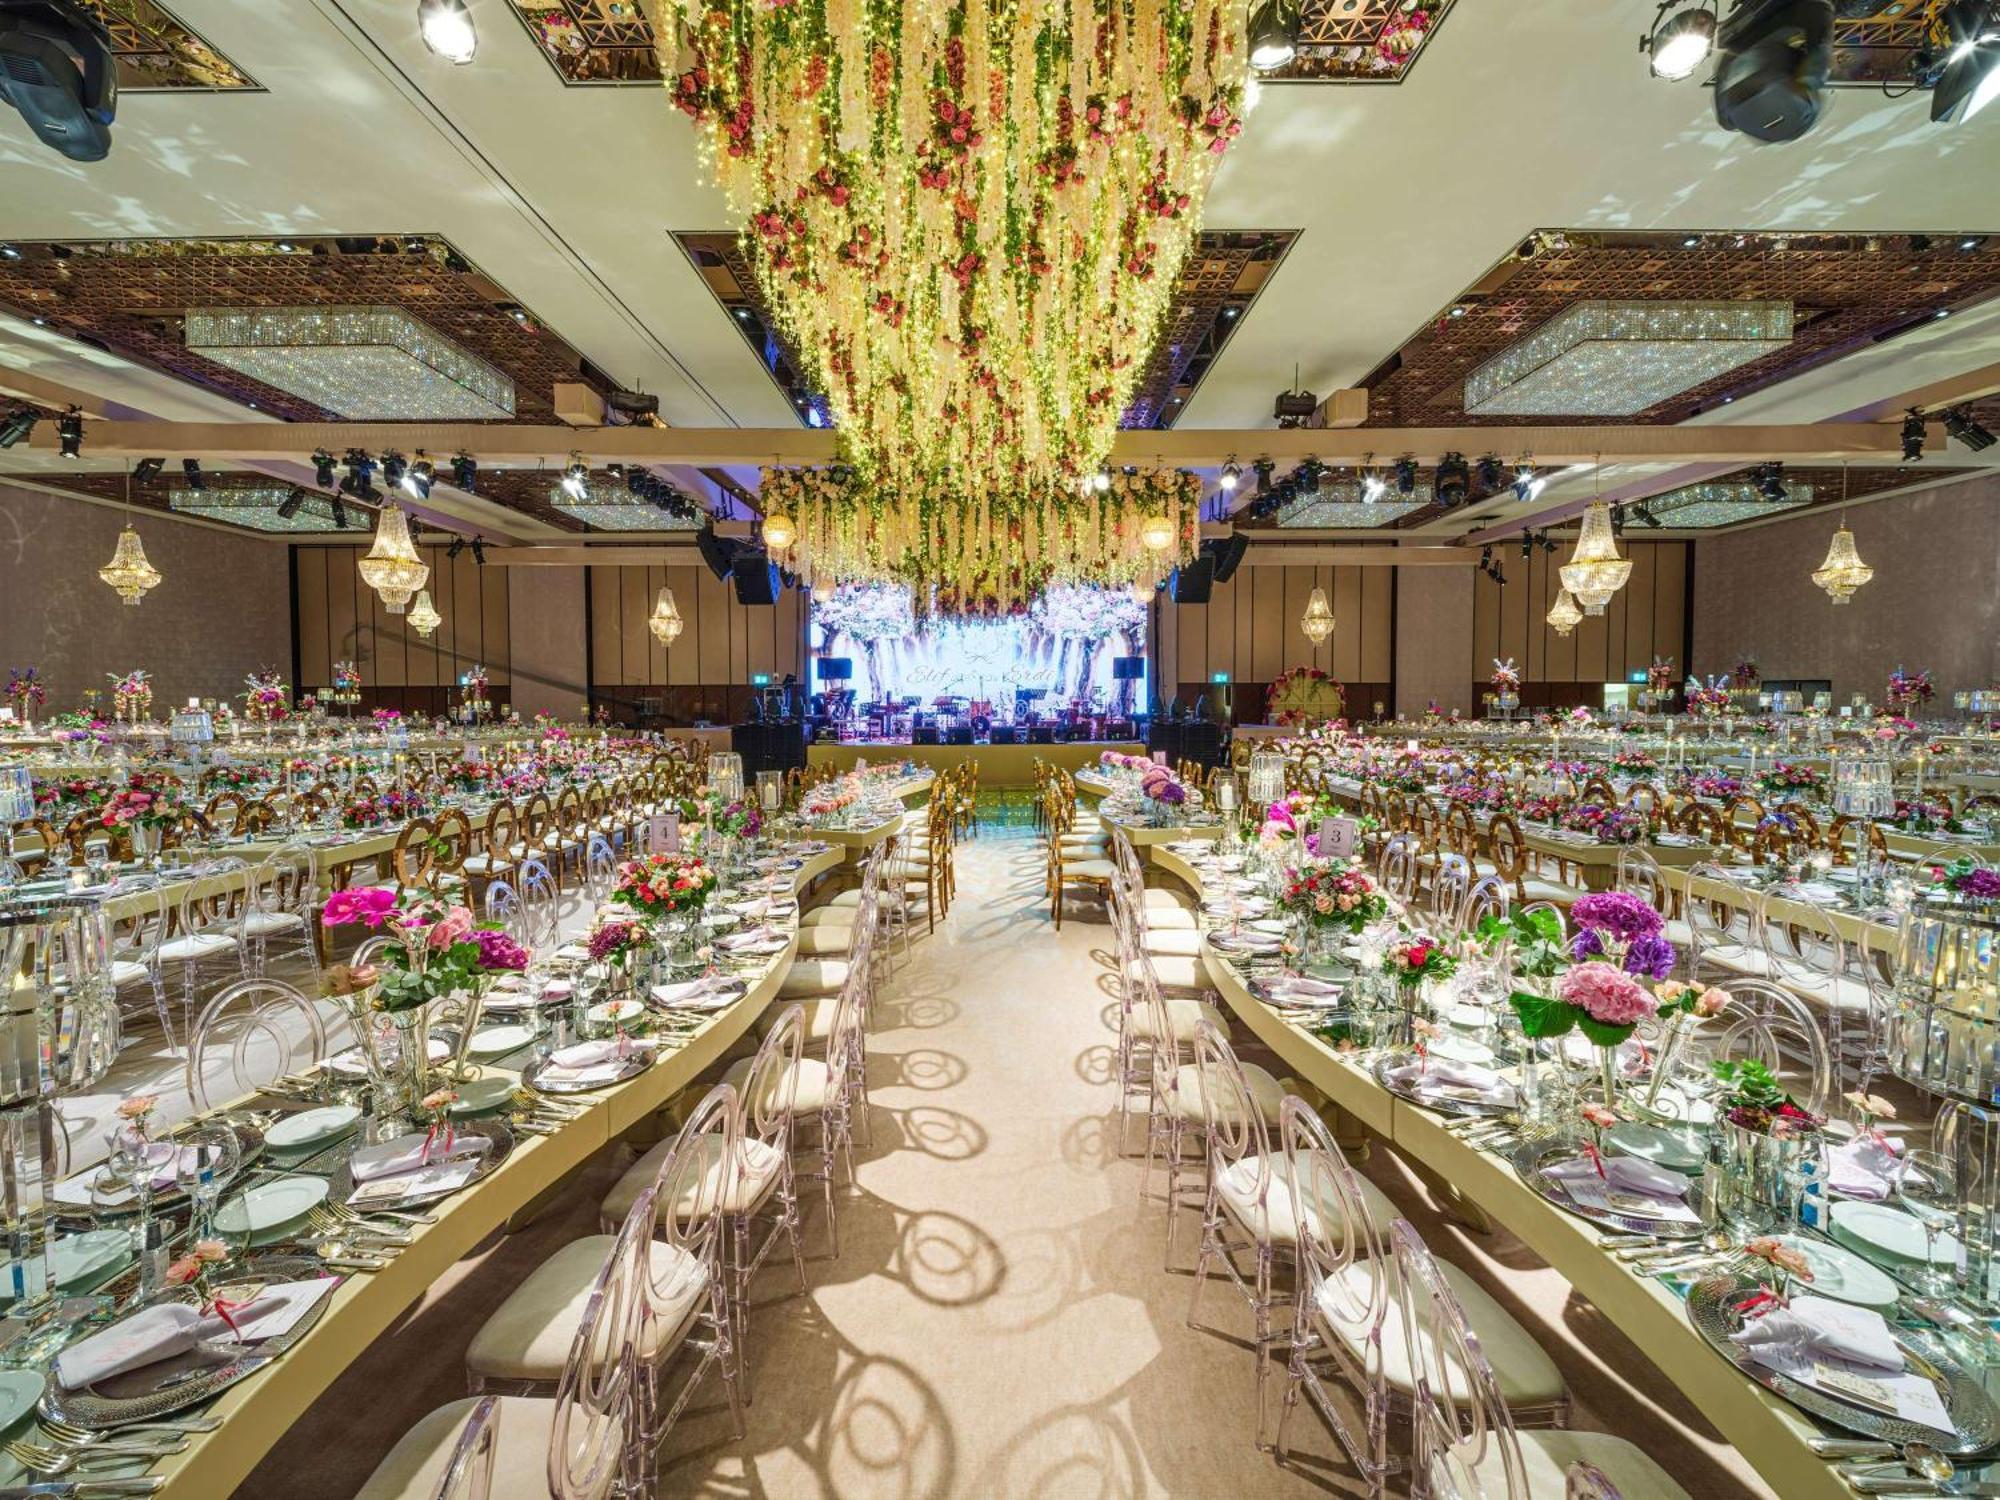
point(194, 948)
point(739, 1192)
point(529, 1335)
point(1087, 869)
point(1265, 1093)
point(1183, 1016)
point(1547, 1455)
point(1169, 919)
point(1535, 888)
point(1527, 1376)
point(819, 1014)
point(810, 1092)
point(414, 1468)
point(809, 977)
point(1277, 1216)
point(1182, 942)
point(271, 923)
point(825, 940)
point(1180, 973)
point(829, 916)
point(1160, 900)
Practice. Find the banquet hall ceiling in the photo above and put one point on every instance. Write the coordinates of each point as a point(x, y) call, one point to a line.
point(1399, 200)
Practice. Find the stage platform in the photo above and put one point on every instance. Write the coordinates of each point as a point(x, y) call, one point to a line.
point(999, 765)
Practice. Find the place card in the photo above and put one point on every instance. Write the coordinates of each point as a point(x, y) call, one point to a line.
point(1595, 1193)
point(442, 1178)
point(1907, 1394)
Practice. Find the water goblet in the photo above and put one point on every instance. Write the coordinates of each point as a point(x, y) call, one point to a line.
point(1928, 1189)
point(203, 1167)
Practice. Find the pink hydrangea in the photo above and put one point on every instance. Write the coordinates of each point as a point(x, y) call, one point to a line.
point(1607, 994)
point(366, 904)
point(455, 926)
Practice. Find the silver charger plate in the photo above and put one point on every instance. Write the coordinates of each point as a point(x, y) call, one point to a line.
point(249, 1148)
point(1532, 1156)
point(489, 1163)
point(1712, 1306)
point(640, 1060)
point(1436, 1105)
point(172, 1385)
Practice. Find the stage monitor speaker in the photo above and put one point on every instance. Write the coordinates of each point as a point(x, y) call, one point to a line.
point(958, 734)
point(1041, 734)
point(1004, 734)
point(1228, 555)
point(834, 668)
point(720, 555)
point(1193, 584)
point(1128, 668)
point(756, 577)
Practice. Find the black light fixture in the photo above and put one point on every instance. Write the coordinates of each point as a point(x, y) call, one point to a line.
point(1528, 485)
point(1490, 472)
point(69, 433)
point(289, 506)
point(1406, 475)
point(1263, 468)
point(1913, 437)
point(16, 426)
point(339, 511)
point(1772, 60)
point(1643, 514)
point(1770, 480)
point(465, 473)
point(1231, 476)
point(360, 473)
point(479, 550)
point(146, 470)
point(393, 466)
point(576, 478)
point(419, 477)
point(196, 481)
point(1305, 478)
point(1961, 424)
point(447, 29)
point(1273, 36)
point(57, 69)
point(1676, 47)
point(1454, 480)
point(1486, 556)
point(1618, 520)
point(1970, 79)
point(457, 546)
point(322, 462)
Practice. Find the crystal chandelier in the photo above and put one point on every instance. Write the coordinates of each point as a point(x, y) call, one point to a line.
point(1595, 571)
point(1318, 620)
point(1843, 571)
point(665, 620)
point(392, 567)
point(129, 572)
point(423, 616)
point(1564, 614)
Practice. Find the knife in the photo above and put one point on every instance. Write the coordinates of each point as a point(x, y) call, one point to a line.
point(82, 1489)
point(1895, 1487)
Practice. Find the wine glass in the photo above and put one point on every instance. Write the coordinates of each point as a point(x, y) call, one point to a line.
point(1929, 1189)
point(206, 1161)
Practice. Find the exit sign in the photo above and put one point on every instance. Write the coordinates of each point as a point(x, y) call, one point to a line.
point(760, 679)
point(1218, 677)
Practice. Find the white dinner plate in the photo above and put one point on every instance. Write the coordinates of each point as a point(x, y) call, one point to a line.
point(1844, 1276)
point(1460, 1049)
point(1652, 1143)
point(21, 1389)
point(612, 1012)
point(75, 1260)
point(350, 1064)
point(480, 1095)
point(1470, 1017)
point(310, 1126)
point(498, 1041)
point(1275, 926)
point(1890, 1231)
point(271, 1204)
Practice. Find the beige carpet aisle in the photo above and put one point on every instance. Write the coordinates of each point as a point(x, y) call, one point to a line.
point(999, 1324)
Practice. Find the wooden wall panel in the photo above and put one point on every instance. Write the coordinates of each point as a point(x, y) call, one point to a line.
point(684, 655)
point(337, 617)
point(1349, 623)
point(722, 643)
point(1378, 625)
point(311, 619)
point(1647, 616)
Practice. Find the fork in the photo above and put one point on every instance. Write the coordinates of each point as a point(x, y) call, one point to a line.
point(104, 1442)
point(70, 1432)
point(355, 1229)
point(54, 1461)
point(342, 1211)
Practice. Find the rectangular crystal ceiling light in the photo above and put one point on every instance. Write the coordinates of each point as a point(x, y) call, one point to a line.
point(363, 363)
point(1723, 503)
point(257, 508)
point(616, 513)
point(1615, 359)
point(1338, 504)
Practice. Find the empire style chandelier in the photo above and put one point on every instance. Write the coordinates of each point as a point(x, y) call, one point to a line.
point(665, 621)
point(969, 218)
point(1595, 571)
point(392, 567)
point(1564, 614)
point(1318, 620)
point(423, 617)
point(129, 572)
point(1843, 572)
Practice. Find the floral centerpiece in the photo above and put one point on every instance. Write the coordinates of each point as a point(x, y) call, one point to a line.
point(1623, 929)
point(386, 807)
point(1715, 785)
point(265, 697)
point(1333, 894)
point(663, 884)
point(25, 692)
point(1923, 815)
point(139, 811)
point(1163, 791)
point(1410, 964)
point(1606, 825)
point(617, 944)
point(1969, 879)
point(829, 800)
point(1633, 761)
point(1506, 679)
point(131, 694)
point(734, 819)
point(1745, 674)
point(1909, 691)
point(1660, 676)
point(1304, 696)
point(1709, 700)
point(1792, 778)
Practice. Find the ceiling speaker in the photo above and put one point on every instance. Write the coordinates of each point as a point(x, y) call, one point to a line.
point(720, 555)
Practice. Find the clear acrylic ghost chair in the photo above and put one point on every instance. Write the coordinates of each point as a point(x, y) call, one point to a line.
point(1343, 1300)
point(1237, 1207)
point(282, 904)
point(600, 867)
point(1767, 1023)
point(207, 932)
point(1451, 883)
point(1398, 869)
point(251, 1033)
point(503, 905)
point(469, 1475)
point(760, 1177)
point(1487, 898)
point(1844, 981)
point(541, 905)
point(135, 940)
point(1725, 938)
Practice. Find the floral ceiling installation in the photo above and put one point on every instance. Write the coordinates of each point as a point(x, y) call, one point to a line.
point(971, 215)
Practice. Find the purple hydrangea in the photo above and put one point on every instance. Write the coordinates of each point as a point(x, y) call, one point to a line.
point(1982, 881)
point(1650, 957)
point(499, 952)
point(1619, 914)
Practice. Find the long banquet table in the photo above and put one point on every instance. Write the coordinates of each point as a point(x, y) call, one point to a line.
point(258, 1410)
point(1770, 1434)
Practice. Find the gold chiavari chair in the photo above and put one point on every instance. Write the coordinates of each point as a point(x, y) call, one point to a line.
point(413, 860)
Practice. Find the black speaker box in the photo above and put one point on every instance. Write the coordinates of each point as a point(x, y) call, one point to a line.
point(756, 578)
point(1004, 734)
point(958, 734)
point(717, 553)
point(1041, 734)
point(1194, 583)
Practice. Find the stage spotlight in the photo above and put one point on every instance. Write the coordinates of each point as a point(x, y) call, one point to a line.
point(465, 473)
point(148, 469)
point(1772, 62)
point(69, 433)
point(1273, 36)
point(1263, 468)
point(322, 462)
point(191, 467)
point(339, 511)
point(1618, 520)
point(1490, 472)
point(290, 505)
point(457, 546)
point(1677, 47)
point(1373, 487)
point(1306, 476)
point(1499, 576)
point(1961, 424)
point(1406, 476)
point(479, 550)
point(16, 426)
point(1527, 544)
point(1528, 485)
point(1913, 437)
point(1548, 542)
point(360, 471)
point(446, 27)
point(1971, 77)
point(393, 468)
point(1643, 514)
point(576, 478)
point(56, 68)
point(1486, 556)
point(1230, 475)
point(1454, 480)
point(1771, 482)
point(419, 478)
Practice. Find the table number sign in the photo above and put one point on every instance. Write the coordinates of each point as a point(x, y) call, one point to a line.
point(1338, 838)
point(664, 836)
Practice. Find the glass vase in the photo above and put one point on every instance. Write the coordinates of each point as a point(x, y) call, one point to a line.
point(403, 1041)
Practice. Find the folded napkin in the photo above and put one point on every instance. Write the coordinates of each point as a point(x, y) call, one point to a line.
point(755, 937)
point(1866, 1167)
point(1445, 1073)
point(1305, 984)
point(1625, 1174)
point(558, 989)
point(590, 1054)
point(1815, 1325)
point(406, 1154)
point(160, 1332)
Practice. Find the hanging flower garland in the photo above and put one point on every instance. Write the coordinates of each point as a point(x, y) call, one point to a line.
point(969, 215)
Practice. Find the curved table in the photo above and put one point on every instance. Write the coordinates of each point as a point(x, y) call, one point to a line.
point(1770, 1433)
